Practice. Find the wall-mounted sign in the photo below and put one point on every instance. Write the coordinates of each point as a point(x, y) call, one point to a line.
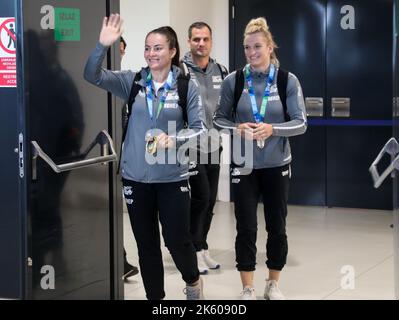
point(67, 24)
point(64, 21)
point(8, 46)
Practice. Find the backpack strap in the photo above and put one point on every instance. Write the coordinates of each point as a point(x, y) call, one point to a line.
point(126, 116)
point(282, 81)
point(182, 90)
point(238, 87)
point(223, 70)
point(132, 97)
point(134, 91)
point(184, 69)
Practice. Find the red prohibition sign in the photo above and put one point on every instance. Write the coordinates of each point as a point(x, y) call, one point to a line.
point(3, 26)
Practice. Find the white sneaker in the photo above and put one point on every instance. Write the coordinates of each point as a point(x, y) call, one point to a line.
point(202, 266)
point(195, 292)
point(212, 264)
point(248, 293)
point(272, 291)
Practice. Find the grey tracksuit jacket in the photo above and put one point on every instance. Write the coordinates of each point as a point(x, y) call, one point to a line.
point(134, 165)
point(276, 151)
point(209, 83)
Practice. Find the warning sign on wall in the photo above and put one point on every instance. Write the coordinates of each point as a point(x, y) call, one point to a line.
point(8, 60)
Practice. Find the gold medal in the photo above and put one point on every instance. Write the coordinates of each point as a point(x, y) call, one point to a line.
point(151, 145)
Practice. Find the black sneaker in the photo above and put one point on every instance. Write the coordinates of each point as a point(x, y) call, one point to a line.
point(129, 271)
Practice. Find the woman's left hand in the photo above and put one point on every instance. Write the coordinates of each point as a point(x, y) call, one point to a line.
point(164, 141)
point(262, 131)
point(111, 30)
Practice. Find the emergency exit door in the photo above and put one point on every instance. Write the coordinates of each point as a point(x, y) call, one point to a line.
point(396, 135)
point(65, 222)
point(345, 74)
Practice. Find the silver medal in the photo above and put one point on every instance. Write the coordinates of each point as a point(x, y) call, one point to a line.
point(260, 143)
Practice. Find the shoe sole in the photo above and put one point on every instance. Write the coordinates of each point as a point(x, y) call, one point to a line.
point(214, 268)
point(268, 298)
point(129, 274)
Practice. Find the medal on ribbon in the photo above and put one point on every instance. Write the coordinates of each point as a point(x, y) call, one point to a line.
point(260, 143)
point(151, 144)
point(259, 116)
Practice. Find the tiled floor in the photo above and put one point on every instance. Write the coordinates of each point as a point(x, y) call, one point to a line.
point(326, 247)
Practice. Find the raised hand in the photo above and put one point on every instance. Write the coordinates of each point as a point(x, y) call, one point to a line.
point(111, 30)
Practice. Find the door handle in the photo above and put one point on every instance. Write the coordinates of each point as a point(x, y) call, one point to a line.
point(314, 106)
point(392, 148)
point(103, 139)
point(340, 107)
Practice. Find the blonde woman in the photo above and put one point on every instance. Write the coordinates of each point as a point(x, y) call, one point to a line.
point(267, 110)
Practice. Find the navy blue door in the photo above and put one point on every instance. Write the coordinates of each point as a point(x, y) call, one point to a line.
point(396, 135)
point(69, 212)
point(359, 68)
point(346, 80)
point(11, 218)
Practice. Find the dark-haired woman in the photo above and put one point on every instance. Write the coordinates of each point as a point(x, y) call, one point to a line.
point(156, 188)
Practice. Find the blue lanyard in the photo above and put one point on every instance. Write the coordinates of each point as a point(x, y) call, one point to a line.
point(259, 115)
point(150, 96)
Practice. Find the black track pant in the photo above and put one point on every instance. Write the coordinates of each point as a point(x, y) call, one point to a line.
point(272, 184)
point(204, 188)
point(167, 203)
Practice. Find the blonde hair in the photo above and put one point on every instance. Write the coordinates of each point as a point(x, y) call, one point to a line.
point(260, 25)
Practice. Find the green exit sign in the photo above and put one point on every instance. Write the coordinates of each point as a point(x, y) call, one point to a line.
point(67, 24)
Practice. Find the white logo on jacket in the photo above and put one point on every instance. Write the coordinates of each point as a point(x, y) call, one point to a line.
point(172, 95)
point(127, 191)
point(217, 79)
point(172, 105)
point(236, 172)
point(274, 98)
point(172, 100)
point(285, 173)
point(184, 189)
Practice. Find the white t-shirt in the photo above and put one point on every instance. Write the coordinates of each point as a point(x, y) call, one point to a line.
point(157, 85)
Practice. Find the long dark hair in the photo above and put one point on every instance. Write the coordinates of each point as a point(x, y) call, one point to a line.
point(171, 36)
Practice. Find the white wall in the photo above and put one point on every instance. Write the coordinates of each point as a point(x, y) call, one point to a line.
point(214, 12)
point(141, 17)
